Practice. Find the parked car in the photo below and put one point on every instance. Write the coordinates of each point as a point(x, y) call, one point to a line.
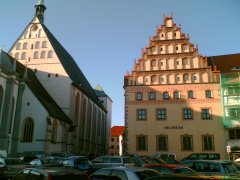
point(141, 161)
point(43, 162)
point(171, 169)
point(9, 167)
point(212, 166)
point(78, 162)
point(164, 156)
point(205, 156)
point(50, 173)
point(110, 161)
point(124, 173)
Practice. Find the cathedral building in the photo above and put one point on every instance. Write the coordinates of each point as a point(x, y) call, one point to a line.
point(52, 106)
point(172, 98)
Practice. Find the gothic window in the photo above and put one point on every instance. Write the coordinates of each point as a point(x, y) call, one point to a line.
point(35, 55)
point(50, 54)
point(25, 45)
point(162, 143)
point(43, 54)
point(44, 44)
point(77, 105)
point(54, 132)
point(208, 142)
point(23, 56)
point(142, 144)
point(1, 100)
point(37, 44)
point(28, 130)
point(187, 142)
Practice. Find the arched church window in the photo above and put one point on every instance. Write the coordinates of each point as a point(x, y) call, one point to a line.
point(1, 100)
point(23, 56)
point(43, 54)
point(44, 44)
point(35, 55)
point(50, 54)
point(28, 130)
point(25, 45)
point(37, 44)
point(54, 132)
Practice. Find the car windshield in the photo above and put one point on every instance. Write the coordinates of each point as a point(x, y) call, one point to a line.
point(127, 160)
point(146, 174)
point(183, 170)
point(230, 168)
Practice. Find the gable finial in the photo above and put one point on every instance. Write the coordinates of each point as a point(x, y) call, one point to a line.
point(40, 8)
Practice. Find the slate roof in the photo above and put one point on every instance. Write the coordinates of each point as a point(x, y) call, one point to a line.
point(225, 63)
point(40, 92)
point(72, 69)
point(117, 131)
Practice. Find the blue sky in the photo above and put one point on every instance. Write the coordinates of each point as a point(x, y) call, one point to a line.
point(105, 36)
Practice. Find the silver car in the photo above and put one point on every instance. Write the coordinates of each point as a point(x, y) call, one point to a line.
point(124, 173)
point(212, 166)
point(110, 161)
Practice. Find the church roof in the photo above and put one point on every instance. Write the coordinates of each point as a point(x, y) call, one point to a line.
point(72, 69)
point(229, 63)
point(5, 61)
point(39, 91)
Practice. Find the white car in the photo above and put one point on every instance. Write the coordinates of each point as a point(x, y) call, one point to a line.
point(124, 173)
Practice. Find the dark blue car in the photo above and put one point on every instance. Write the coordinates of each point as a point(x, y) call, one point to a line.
point(77, 162)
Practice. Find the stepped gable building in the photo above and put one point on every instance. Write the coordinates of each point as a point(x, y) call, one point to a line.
point(172, 98)
point(83, 117)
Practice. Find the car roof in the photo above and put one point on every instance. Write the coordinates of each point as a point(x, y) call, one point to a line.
point(164, 165)
point(55, 170)
point(206, 160)
point(132, 169)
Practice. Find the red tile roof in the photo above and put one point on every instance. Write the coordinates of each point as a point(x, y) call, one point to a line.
point(117, 130)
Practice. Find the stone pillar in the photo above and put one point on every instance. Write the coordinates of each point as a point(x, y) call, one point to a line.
point(17, 119)
point(6, 114)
